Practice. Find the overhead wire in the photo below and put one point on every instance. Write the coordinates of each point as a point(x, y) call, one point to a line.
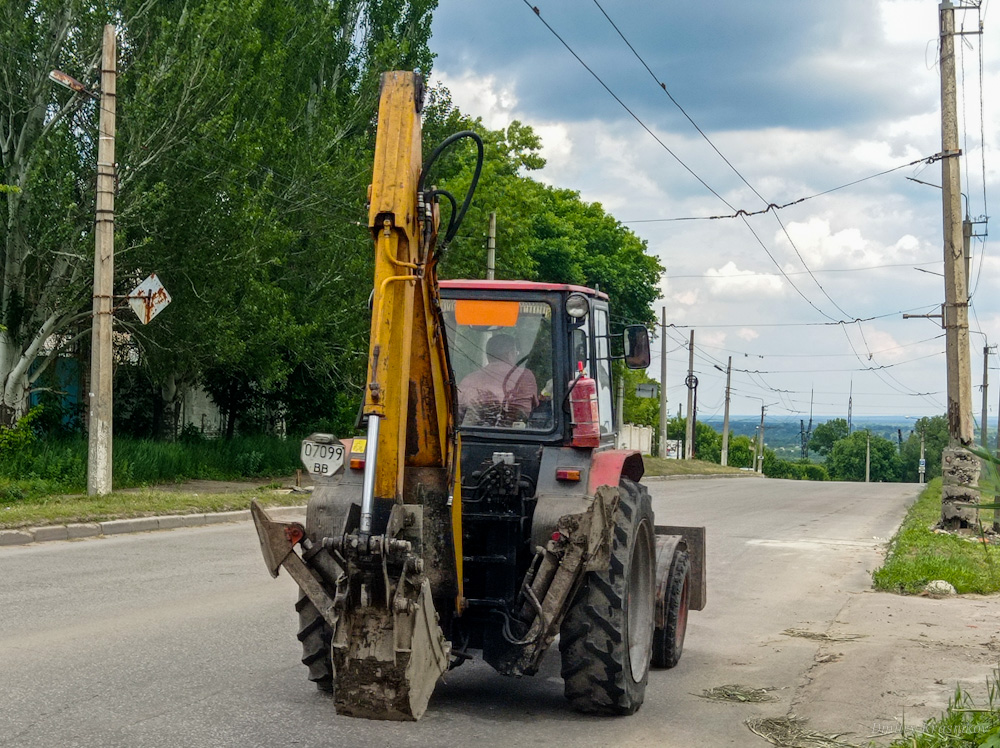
point(606, 87)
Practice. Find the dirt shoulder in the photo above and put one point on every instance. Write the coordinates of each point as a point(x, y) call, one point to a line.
point(910, 654)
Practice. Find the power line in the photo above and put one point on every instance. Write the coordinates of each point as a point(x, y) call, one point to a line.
point(718, 276)
point(645, 127)
point(772, 207)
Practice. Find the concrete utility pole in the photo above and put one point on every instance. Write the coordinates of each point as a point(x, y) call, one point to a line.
point(690, 382)
point(986, 365)
point(922, 466)
point(868, 456)
point(760, 442)
point(663, 382)
point(620, 408)
point(960, 469)
point(101, 360)
point(491, 247)
point(725, 417)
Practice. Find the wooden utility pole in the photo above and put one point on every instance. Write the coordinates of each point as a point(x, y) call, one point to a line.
point(960, 469)
point(690, 382)
point(663, 382)
point(725, 416)
point(491, 247)
point(101, 360)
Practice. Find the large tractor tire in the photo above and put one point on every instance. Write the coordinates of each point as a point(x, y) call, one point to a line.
point(668, 641)
point(315, 635)
point(606, 639)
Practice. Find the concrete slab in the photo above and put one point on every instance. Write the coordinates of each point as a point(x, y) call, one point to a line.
point(50, 532)
point(181, 520)
point(217, 517)
point(138, 524)
point(912, 654)
point(15, 537)
point(83, 530)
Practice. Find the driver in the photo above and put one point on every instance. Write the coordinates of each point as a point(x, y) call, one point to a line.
point(500, 393)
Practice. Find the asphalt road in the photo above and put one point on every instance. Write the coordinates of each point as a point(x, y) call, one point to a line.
point(181, 638)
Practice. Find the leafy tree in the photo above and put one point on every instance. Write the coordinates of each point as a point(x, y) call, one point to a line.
point(826, 434)
point(847, 458)
point(707, 441)
point(543, 233)
point(642, 411)
point(775, 467)
point(244, 137)
point(935, 431)
point(741, 451)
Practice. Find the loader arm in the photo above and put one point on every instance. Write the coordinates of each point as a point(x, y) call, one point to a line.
point(379, 575)
point(408, 397)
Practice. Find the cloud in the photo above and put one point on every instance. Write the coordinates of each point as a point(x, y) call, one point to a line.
point(806, 101)
point(733, 283)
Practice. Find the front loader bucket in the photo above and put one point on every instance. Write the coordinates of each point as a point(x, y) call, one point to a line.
point(387, 663)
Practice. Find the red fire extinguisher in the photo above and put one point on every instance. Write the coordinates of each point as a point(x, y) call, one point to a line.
point(584, 412)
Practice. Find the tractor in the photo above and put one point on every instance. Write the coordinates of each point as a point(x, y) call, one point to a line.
point(486, 510)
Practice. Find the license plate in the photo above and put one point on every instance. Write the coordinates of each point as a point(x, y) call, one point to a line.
point(322, 459)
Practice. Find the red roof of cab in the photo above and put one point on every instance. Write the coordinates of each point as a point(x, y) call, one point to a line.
point(519, 285)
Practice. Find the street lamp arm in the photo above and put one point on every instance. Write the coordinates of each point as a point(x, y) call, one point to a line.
point(68, 81)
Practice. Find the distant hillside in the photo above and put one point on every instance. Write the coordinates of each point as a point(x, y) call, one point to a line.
point(783, 434)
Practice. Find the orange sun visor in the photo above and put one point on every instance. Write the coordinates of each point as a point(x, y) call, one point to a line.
point(486, 312)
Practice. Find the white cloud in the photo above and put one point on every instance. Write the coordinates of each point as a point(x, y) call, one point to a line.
point(481, 96)
point(731, 282)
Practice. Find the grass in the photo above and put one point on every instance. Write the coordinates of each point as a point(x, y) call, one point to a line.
point(962, 724)
point(59, 510)
point(918, 555)
point(659, 466)
point(58, 466)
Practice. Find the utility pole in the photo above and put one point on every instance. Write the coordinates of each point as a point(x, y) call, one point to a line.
point(491, 247)
point(986, 365)
point(725, 417)
point(620, 408)
point(957, 463)
point(691, 383)
point(101, 359)
point(850, 406)
point(760, 442)
point(868, 456)
point(663, 382)
point(922, 466)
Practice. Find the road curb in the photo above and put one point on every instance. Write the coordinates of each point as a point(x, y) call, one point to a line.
point(75, 531)
point(749, 475)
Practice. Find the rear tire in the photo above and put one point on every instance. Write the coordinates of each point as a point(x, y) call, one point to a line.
point(668, 642)
point(606, 639)
point(315, 635)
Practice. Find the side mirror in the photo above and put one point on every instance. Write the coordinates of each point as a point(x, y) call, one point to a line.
point(636, 340)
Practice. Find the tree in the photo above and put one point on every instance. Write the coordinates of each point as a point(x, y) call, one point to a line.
point(642, 411)
point(244, 136)
point(741, 451)
point(826, 434)
point(543, 233)
point(935, 431)
point(846, 460)
point(707, 441)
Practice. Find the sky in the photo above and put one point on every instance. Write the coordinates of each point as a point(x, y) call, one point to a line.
point(762, 102)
